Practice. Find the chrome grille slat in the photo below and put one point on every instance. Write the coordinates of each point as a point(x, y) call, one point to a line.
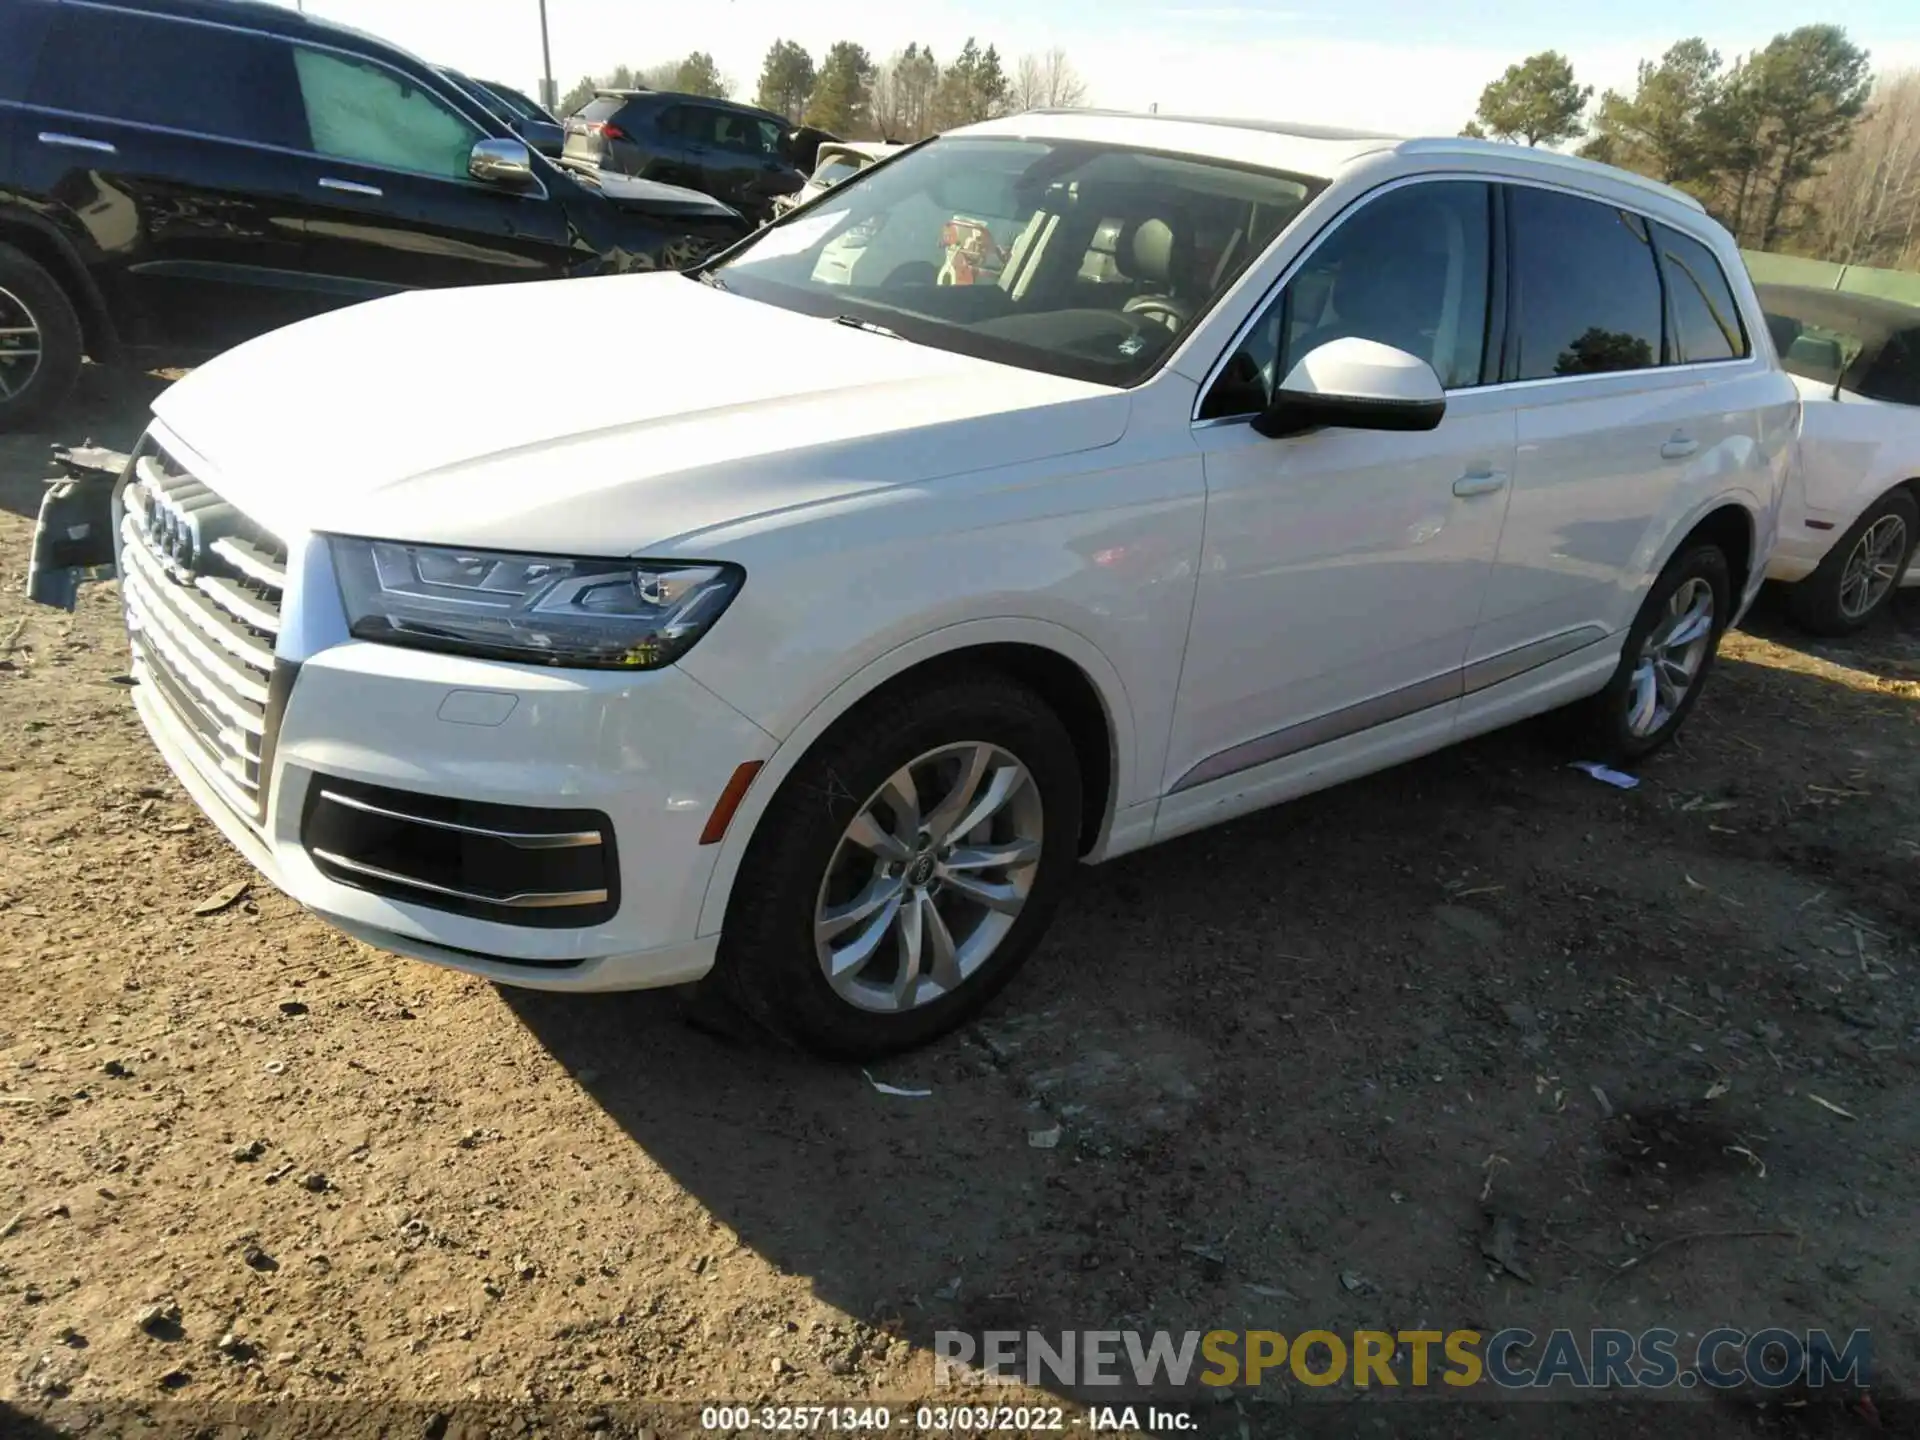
point(185, 665)
point(199, 612)
point(184, 627)
point(202, 590)
point(255, 564)
point(247, 608)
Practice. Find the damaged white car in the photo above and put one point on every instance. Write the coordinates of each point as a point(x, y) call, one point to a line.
point(1849, 525)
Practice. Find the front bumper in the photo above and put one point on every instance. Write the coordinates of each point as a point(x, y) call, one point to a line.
point(651, 753)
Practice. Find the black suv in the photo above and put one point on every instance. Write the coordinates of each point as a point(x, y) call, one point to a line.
point(179, 175)
point(747, 157)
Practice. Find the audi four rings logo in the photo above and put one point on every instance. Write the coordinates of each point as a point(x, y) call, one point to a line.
point(175, 534)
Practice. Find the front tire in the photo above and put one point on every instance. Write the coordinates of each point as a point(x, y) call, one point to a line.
point(41, 346)
point(906, 868)
point(1859, 576)
point(1665, 660)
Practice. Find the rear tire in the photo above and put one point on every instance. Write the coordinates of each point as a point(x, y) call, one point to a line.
point(1861, 573)
point(849, 856)
point(1664, 663)
point(38, 368)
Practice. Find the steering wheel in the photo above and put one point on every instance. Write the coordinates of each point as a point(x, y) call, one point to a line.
point(1165, 309)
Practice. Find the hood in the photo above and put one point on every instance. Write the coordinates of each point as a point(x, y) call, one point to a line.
point(654, 197)
point(597, 416)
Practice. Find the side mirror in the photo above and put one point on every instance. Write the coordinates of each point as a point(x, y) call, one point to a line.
point(501, 162)
point(1355, 384)
point(544, 136)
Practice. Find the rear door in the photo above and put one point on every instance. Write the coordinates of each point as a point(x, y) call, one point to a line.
point(680, 148)
point(392, 204)
point(180, 193)
point(747, 166)
point(1606, 430)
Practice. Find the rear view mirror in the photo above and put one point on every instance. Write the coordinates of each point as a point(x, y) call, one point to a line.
point(1355, 384)
point(976, 192)
point(501, 162)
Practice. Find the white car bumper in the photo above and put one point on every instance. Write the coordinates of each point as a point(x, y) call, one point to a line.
point(649, 754)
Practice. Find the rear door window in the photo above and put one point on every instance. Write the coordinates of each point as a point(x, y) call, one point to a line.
point(1587, 290)
point(1706, 321)
point(155, 70)
point(370, 115)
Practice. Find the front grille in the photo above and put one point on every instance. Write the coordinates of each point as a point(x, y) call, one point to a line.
point(202, 586)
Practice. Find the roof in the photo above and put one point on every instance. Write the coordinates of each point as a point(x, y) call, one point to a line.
point(272, 18)
point(1307, 149)
point(642, 92)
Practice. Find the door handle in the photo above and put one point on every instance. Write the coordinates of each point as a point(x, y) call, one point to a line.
point(350, 187)
point(1480, 482)
point(76, 142)
point(1678, 448)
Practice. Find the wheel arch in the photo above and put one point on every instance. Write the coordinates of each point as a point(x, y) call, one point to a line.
point(55, 253)
point(1729, 522)
point(1066, 669)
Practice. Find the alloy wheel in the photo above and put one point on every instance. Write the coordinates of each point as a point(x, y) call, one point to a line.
point(1873, 567)
point(929, 877)
point(1671, 659)
point(20, 345)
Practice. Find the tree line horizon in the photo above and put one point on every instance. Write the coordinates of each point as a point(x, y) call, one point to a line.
point(1797, 148)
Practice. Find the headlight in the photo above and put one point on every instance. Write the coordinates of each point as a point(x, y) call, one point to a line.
point(536, 609)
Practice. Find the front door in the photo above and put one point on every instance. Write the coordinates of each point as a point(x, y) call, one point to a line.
point(1343, 570)
point(389, 203)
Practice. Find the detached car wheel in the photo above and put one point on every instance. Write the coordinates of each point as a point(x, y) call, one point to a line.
point(1860, 574)
point(906, 868)
point(1664, 663)
point(40, 341)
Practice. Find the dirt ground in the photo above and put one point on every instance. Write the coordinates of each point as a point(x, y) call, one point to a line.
point(1480, 1041)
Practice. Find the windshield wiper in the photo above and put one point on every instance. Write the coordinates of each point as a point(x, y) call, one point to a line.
point(854, 322)
point(711, 278)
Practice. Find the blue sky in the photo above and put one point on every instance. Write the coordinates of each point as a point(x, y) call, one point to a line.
point(1402, 65)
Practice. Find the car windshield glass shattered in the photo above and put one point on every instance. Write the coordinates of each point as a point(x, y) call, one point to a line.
point(1073, 258)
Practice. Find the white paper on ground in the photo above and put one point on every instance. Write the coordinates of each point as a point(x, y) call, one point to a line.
point(886, 1089)
point(1612, 777)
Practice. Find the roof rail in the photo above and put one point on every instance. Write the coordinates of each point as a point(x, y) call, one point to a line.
point(1298, 129)
point(1548, 159)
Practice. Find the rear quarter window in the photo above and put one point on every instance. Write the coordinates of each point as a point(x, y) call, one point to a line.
point(153, 70)
point(601, 107)
point(1706, 319)
point(1587, 290)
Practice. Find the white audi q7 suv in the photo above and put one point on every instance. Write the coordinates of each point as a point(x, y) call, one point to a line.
point(808, 648)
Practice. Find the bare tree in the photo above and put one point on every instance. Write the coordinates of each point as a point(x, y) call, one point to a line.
point(1046, 82)
point(903, 94)
point(1866, 205)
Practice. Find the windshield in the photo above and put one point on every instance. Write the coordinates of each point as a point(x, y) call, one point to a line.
point(1076, 259)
